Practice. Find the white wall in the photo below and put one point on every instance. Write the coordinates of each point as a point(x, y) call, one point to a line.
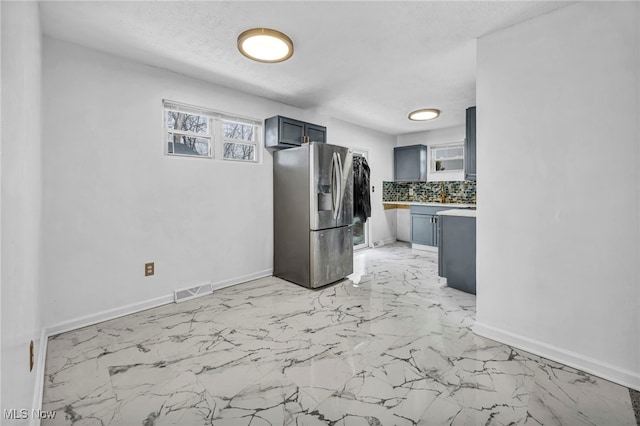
point(21, 187)
point(434, 137)
point(403, 226)
point(380, 148)
point(558, 211)
point(113, 201)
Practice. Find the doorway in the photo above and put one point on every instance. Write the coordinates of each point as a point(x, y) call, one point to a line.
point(360, 230)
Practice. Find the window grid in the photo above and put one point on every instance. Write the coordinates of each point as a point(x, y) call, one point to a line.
point(228, 137)
point(447, 158)
point(239, 141)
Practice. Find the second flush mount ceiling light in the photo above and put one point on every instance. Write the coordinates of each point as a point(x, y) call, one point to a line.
point(265, 45)
point(424, 114)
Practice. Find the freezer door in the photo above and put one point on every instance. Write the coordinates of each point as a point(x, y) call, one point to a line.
point(331, 255)
point(331, 186)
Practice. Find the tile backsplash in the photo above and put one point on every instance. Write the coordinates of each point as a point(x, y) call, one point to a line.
point(459, 192)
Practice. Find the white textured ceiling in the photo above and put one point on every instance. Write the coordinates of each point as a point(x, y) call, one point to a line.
point(369, 63)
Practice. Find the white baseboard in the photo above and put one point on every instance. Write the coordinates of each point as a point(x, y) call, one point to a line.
point(589, 365)
point(384, 242)
point(424, 247)
point(132, 308)
point(107, 315)
point(110, 314)
point(242, 279)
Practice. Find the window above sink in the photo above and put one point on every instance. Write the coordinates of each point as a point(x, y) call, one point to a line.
point(447, 158)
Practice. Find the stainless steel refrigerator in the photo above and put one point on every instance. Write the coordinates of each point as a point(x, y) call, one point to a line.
point(313, 214)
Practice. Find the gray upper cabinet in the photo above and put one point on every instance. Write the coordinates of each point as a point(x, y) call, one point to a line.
point(283, 132)
point(410, 163)
point(289, 132)
point(315, 133)
point(470, 146)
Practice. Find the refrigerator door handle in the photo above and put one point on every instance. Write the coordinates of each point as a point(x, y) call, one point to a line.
point(344, 175)
point(340, 185)
point(334, 186)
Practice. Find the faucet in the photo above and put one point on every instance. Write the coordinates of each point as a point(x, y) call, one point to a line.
point(443, 196)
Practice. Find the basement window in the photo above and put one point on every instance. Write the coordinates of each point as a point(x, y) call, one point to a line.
point(192, 131)
point(448, 158)
point(239, 141)
point(188, 133)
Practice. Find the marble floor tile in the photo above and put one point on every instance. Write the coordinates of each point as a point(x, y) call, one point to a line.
point(391, 345)
point(151, 395)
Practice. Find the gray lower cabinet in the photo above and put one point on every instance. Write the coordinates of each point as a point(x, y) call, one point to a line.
point(457, 252)
point(283, 132)
point(424, 224)
point(422, 230)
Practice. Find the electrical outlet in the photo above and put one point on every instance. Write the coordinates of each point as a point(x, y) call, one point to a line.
point(31, 356)
point(411, 192)
point(149, 269)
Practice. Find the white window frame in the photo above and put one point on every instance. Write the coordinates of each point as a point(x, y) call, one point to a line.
point(435, 148)
point(216, 132)
point(171, 106)
point(257, 131)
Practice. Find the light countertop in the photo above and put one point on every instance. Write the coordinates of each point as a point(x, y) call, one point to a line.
point(458, 212)
point(416, 203)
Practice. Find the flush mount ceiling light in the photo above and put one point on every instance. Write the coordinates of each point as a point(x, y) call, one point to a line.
point(265, 45)
point(424, 114)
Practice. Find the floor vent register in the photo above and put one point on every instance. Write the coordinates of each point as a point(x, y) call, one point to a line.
point(192, 292)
